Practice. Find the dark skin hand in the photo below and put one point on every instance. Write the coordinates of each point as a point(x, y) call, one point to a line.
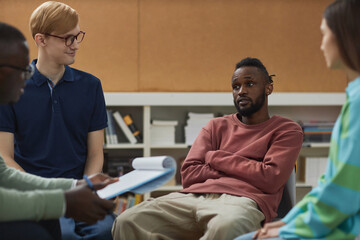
point(98, 178)
point(82, 204)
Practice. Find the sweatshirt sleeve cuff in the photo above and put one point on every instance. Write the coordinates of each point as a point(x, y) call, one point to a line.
point(74, 183)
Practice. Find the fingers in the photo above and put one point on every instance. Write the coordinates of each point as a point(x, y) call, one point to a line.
point(262, 233)
point(102, 178)
point(97, 214)
point(99, 177)
point(111, 180)
point(83, 205)
point(274, 224)
point(99, 186)
point(268, 233)
point(259, 233)
point(100, 208)
point(256, 234)
point(107, 205)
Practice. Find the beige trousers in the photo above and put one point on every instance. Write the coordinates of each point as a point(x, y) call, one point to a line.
point(189, 216)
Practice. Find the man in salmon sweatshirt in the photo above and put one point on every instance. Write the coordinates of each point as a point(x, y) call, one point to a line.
point(234, 174)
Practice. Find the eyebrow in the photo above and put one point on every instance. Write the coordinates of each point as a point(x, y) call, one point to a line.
point(69, 35)
point(245, 77)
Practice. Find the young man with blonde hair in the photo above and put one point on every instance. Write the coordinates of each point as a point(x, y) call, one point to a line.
point(57, 126)
point(30, 205)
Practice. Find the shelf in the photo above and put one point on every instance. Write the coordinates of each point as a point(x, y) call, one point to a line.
point(147, 106)
point(316, 145)
point(173, 146)
point(124, 146)
point(184, 146)
point(218, 99)
point(169, 188)
point(303, 185)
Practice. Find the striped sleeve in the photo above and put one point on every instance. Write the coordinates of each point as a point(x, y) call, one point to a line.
point(331, 210)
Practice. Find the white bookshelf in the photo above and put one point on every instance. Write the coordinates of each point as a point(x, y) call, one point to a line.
point(145, 106)
point(218, 99)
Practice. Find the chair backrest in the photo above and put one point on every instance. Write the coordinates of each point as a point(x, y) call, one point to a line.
point(288, 199)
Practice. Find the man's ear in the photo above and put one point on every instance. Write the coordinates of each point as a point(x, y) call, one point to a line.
point(40, 39)
point(269, 88)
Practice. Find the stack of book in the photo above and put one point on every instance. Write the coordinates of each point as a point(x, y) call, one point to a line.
point(195, 122)
point(162, 132)
point(317, 131)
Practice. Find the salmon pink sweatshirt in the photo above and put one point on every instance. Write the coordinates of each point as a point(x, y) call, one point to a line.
point(252, 161)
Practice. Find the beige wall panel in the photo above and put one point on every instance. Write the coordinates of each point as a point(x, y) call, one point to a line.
point(193, 45)
point(110, 48)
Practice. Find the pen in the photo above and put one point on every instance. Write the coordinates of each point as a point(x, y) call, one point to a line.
point(89, 183)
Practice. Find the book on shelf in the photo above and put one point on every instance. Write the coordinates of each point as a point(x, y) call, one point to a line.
point(162, 132)
point(126, 201)
point(149, 173)
point(315, 167)
point(195, 122)
point(120, 121)
point(130, 123)
point(317, 131)
point(110, 133)
point(107, 129)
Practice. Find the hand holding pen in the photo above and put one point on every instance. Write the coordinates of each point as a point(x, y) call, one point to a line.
point(98, 178)
point(89, 183)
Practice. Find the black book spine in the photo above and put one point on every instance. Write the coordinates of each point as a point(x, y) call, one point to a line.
point(130, 123)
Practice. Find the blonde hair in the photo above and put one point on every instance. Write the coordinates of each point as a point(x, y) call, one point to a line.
point(52, 17)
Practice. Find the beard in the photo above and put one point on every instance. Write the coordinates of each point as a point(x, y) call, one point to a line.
point(253, 108)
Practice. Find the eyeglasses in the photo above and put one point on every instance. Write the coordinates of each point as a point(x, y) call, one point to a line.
point(70, 39)
point(26, 72)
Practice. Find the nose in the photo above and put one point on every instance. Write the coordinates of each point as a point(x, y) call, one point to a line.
point(322, 45)
point(75, 45)
point(242, 90)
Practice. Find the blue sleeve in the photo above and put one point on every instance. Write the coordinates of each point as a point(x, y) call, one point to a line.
point(331, 210)
point(98, 117)
point(7, 119)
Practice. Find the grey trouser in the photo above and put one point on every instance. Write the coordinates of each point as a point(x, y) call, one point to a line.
point(189, 216)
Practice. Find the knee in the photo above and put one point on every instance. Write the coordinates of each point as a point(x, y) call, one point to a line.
point(124, 226)
point(124, 221)
point(223, 223)
point(239, 224)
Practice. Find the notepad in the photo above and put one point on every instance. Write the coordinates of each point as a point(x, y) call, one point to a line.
point(149, 173)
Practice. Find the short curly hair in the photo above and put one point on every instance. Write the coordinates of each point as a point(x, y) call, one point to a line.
point(254, 62)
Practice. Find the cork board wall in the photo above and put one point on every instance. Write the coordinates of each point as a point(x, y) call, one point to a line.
point(193, 45)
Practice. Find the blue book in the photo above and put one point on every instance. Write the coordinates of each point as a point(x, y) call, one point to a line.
point(149, 173)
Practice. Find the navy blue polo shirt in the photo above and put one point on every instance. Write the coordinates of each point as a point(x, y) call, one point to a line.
point(51, 129)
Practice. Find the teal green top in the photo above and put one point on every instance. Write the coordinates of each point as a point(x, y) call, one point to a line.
point(332, 209)
point(24, 196)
